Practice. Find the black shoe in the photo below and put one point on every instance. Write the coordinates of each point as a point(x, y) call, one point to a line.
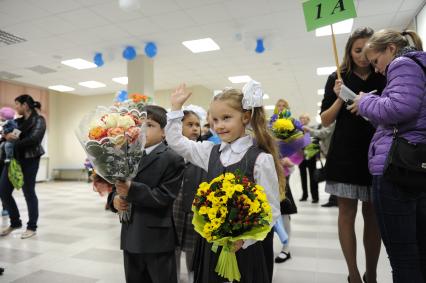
point(329, 204)
point(282, 257)
point(314, 201)
point(1, 270)
point(303, 199)
point(364, 279)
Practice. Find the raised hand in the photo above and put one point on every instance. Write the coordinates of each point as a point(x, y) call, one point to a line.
point(179, 96)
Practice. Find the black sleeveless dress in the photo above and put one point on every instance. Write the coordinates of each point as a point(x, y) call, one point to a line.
point(252, 261)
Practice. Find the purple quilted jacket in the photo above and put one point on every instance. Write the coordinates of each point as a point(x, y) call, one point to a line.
point(402, 103)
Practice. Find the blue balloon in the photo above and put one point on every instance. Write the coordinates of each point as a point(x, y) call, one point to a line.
point(280, 230)
point(122, 96)
point(151, 49)
point(129, 53)
point(98, 60)
point(259, 46)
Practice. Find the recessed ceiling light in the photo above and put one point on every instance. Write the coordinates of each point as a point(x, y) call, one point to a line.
point(325, 71)
point(338, 28)
point(92, 84)
point(319, 103)
point(121, 80)
point(269, 107)
point(265, 96)
point(201, 45)
point(239, 79)
point(79, 64)
point(62, 88)
point(320, 91)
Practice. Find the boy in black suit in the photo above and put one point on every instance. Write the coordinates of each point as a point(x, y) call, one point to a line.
point(148, 241)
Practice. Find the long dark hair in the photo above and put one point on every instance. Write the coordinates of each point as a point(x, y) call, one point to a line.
point(27, 99)
point(347, 65)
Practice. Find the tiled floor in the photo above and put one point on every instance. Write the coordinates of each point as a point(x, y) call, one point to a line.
point(78, 241)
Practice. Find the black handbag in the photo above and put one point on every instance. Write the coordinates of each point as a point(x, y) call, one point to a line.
point(406, 164)
point(319, 173)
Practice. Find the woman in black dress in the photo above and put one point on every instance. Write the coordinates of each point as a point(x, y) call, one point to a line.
point(347, 173)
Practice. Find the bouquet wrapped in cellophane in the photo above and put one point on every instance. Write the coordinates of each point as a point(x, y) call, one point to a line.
point(114, 139)
point(228, 209)
point(289, 133)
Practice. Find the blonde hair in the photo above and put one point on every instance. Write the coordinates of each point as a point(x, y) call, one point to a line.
point(264, 139)
point(381, 40)
point(278, 102)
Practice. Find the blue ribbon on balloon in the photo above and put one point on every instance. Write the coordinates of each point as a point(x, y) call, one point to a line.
point(98, 60)
point(150, 49)
point(129, 53)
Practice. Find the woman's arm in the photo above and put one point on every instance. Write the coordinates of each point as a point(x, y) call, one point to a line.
point(331, 103)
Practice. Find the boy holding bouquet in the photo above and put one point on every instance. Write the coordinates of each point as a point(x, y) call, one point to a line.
point(148, 240)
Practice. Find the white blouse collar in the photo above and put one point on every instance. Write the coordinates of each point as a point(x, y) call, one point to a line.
point(238, 146)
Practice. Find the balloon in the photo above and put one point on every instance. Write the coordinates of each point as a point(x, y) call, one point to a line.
point(150, 49)
point(129, 53)
point(259, 46)
point(122, 96)
point(98, 60)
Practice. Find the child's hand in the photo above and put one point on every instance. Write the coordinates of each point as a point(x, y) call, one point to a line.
point(101, 185)
point(238, 244)
point(178, 97)
point(123, 188)
point(120, 204)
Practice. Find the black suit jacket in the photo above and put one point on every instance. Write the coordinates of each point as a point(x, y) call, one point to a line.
point(152, 194)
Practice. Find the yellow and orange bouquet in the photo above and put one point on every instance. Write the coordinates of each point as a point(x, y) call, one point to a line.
point(228, 209)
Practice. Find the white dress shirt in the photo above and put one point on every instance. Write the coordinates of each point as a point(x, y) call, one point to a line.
point(198, 153)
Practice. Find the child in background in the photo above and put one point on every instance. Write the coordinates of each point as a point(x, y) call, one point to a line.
point(8, 124)
point(148, 240)
point(231, 112)
point(182, 211)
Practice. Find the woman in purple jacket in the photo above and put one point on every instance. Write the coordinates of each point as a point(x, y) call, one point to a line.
point(401, 213)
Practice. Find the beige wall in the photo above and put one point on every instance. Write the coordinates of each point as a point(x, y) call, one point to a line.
point(66, 111)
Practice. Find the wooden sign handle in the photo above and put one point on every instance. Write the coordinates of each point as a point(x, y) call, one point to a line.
point(336, 57)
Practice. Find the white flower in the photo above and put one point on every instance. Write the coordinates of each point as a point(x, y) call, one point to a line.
point(125, 122)
point(111, 120)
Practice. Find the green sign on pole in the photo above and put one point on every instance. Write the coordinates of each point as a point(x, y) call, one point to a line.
point(319, 13)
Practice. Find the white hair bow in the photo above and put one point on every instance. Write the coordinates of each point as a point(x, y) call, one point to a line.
point(201, 113)
point(253, 95)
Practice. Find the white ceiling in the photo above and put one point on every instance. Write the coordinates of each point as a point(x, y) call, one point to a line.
point(56, 30)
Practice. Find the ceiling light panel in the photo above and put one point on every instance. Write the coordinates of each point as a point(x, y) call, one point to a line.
point(79, 64)
point(92, 84)
point(201, 45)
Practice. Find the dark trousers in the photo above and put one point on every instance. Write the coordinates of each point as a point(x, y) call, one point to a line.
point(268, 250)
point(311, 166)
point(29, 169)
point(150, 268)
point(401, 215)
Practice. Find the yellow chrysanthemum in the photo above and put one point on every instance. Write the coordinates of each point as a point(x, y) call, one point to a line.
point(229, 176)
point(203, 210)
point(254, 207)
point(260, 188)
point(203, 188)
point(212, 212)
point(239, 188)
point(283, 125)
